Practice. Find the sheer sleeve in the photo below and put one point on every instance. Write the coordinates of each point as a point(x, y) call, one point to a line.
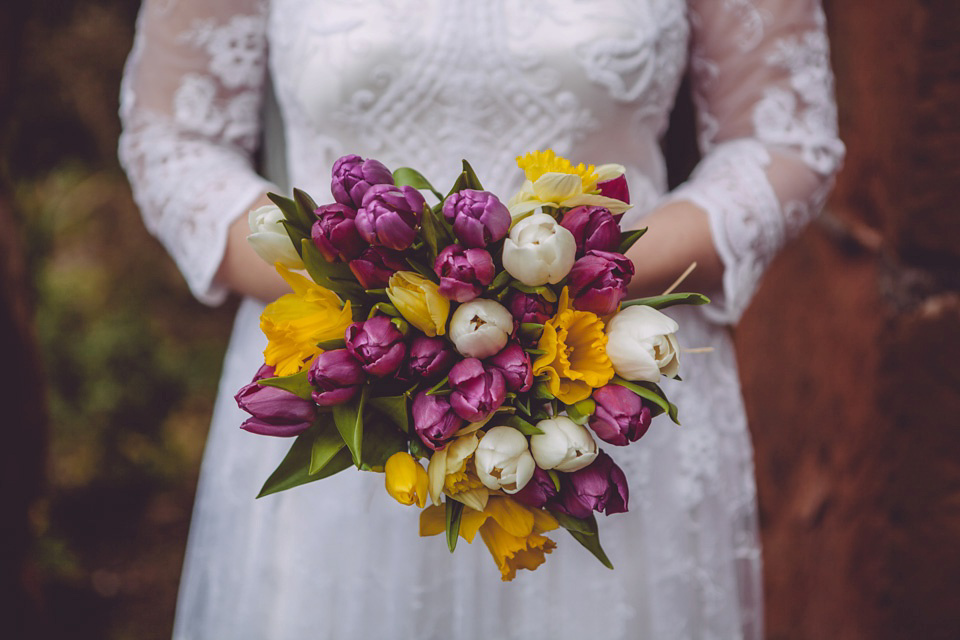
point(190, 109)
point(767, 127)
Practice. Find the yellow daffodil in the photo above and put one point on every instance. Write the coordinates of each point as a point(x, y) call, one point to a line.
point(419, 301)
point(451, 471)
point(511, 531)
point(406, 480)
point(554, 181)
point(296, 322)
point(575, 359)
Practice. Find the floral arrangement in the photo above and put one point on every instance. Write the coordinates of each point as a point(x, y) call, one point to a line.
point(474, 352)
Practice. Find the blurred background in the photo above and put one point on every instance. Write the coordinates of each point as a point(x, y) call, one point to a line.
point(848, 354)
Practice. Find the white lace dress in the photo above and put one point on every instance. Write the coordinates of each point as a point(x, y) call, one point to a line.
point(425, 84)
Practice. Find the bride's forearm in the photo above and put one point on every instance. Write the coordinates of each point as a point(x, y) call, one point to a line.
point(679, 234)
point(242, 270)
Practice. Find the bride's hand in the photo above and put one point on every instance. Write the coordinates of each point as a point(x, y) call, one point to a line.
point(242, 270)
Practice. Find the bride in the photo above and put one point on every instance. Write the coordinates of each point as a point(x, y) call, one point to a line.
point(220, 93)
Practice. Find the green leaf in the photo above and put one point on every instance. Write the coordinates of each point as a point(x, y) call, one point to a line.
point(423, 270)
point(349, 419)
point(473, 182)
point(381, 439)
point(574, 414)
point(669, 300)
point(332, 345)
point(418, 449)
point(541, 391)
point(589, 539)
point(305, 208)
point(521, 425)
point(454, 513)
point(502, 280)
point(531, 330)
point(296, 236)
point(330, 275)
point(542, 290)
point(627, 238)
point(653, 393)
point(394, 408)
point(326, 445)
point(523, 404)
point(294, 470)
point(570, 523)
point(296, 384)
point(385, 308)
point(555, 477)
point(407, 177)
point(292, 213)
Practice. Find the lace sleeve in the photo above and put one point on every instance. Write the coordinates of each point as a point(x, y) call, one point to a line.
point(190, 109)
point(767, 126)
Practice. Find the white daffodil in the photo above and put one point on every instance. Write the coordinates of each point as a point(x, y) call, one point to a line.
point(450, 460)
point(270, 240)
point(503, 460)
point(539, 251)
point(559, 190)
point(642, 344)
point(563, 445)
point(480, 328)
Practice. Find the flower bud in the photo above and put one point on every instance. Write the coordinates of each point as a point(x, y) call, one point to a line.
point(270, 240)
point(480, 328)
point(612, 183)
point(336, 377)
point(374, 266)
point(430, 358)
point(352, 176)
point(642, 344)
point(434, 420)
point(530, 307)
point(274, 412)
point(419, 301)
point(503, 460)
point(598, 281)
point(389, 216)
point(539, 492)
point(620, 416)
point(539, 251)
point(593, 228)
point(477, 391)
point(377, 345)
point(334, 233)
point(564, 445)
point(515, 366)
point(464, 273)
point(405, 479)
point(478, 217)
point(600, 487)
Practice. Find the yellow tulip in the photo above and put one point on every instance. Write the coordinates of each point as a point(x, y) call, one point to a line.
point(406, 480)
point(419, 301)
point(296, 322)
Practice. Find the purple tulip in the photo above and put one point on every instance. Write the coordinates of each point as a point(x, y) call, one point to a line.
point(464, 273)
point(539, 492)
point(430, 358)
point(336, 377)
point(335, 233)
point(598, 281)
point(514, 364)
point(620, 417)
point(377, 345)
point(600, 487)
point(615, 188)
point(478, 217)
point(592, 228)
point(477, 391)
point(374, 266)
point(389, 216)
point(353, 176)
point(434, 420)
point(275, 412)
point(530, 307)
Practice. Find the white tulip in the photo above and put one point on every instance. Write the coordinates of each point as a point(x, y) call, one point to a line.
point(538, 250)
point(503, 460)
point(564, 445)
point(480, 328)
point(270, 240)
point(642, 344)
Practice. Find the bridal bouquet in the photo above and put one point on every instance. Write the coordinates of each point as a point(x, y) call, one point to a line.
point(473, 352)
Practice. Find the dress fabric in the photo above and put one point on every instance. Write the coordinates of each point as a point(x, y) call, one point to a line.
point(425, 84)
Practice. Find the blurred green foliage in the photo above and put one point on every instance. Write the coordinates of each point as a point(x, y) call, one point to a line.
point(131, 360)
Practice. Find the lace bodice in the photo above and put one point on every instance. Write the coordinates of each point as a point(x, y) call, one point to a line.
point(425, 84)
point(593, 80)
